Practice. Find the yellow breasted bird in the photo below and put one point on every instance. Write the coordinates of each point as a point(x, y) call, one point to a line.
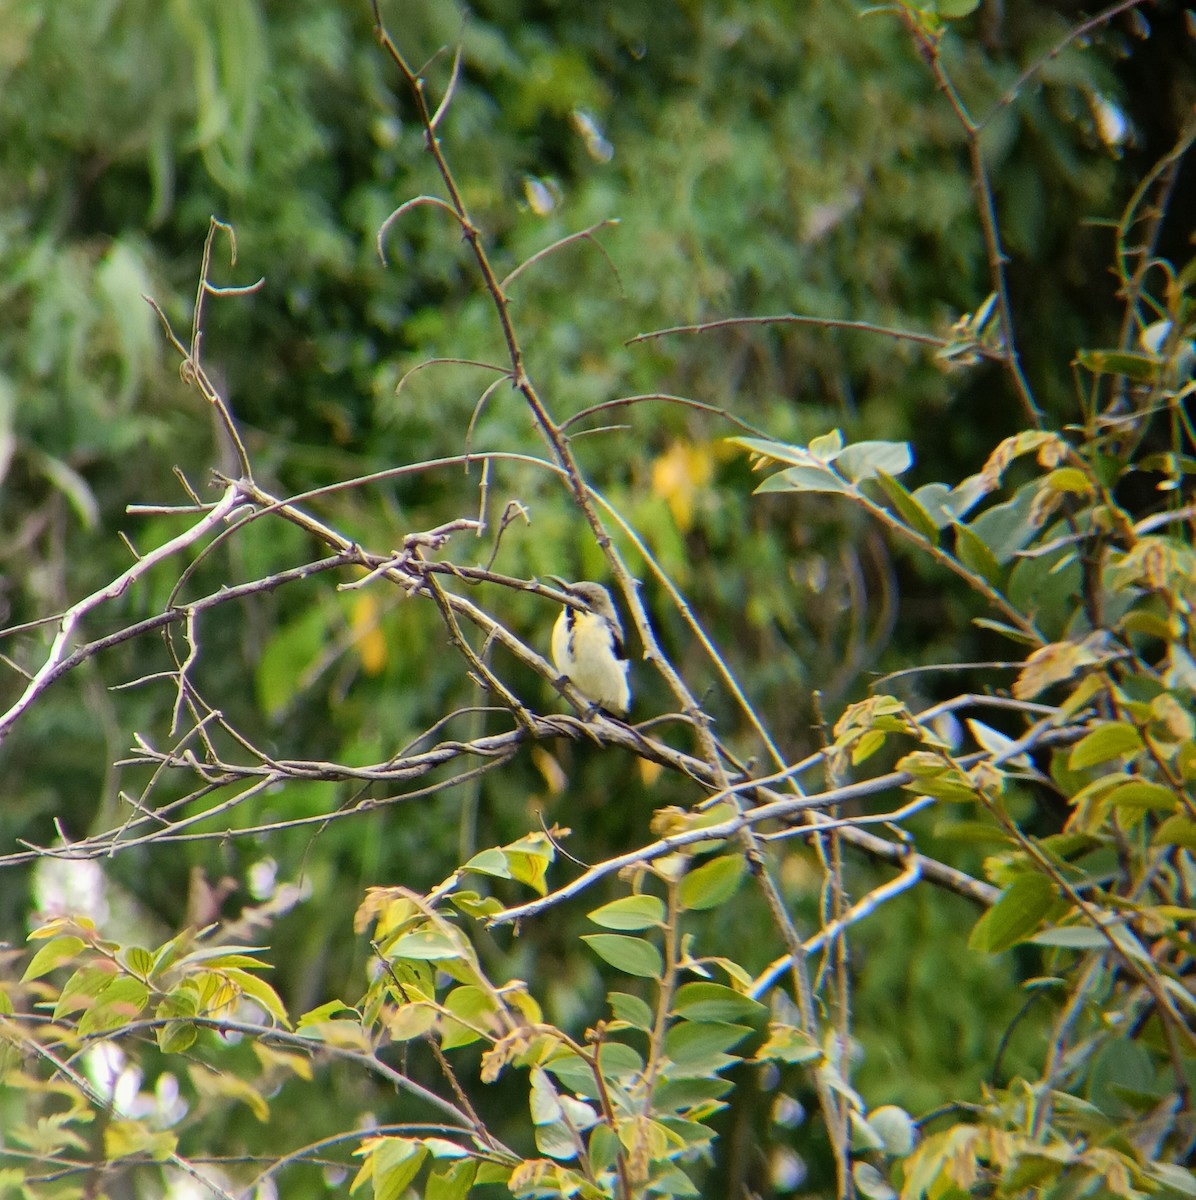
point(587, 647)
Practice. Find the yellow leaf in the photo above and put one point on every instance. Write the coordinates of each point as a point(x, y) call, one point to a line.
point(550, 769)
point(368, 638)
point(649, 771)
point(677, 477)
point(225, 1086)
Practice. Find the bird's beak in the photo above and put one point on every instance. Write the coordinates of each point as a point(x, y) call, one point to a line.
point(561, 583)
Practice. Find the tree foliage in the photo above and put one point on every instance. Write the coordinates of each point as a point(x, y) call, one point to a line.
point(328, 882)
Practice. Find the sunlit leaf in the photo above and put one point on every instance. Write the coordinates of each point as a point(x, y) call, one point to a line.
point(811, 478)
point(396, 1163)
point(474, 1009)
point(120, 1002)
point(452, 1183)
point(1114, 739)
point(713, 883)
point(867, 460)
point(630, 912)
point(51, 956)
point(126, 1138)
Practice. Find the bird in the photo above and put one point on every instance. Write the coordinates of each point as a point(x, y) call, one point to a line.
point(587, 647)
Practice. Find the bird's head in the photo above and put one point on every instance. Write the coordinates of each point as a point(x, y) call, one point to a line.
point(592, 596)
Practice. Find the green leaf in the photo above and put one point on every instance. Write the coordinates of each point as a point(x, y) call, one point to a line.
point(572, 1070)
point(713, 883)
point(1072, 937)
point(935, 501)
point(1141, 794)
point(909, 508)
point(697, 1043)
point(674, 1182)
point(258, 989)
point(938, 778)
point(1010, 631)
point(804, 479)
point(715, 1002)
point(631, 1009)
point(139, 961)
point(489, 862)
point(474, 1007)
point(474, 905)
point(1006, 528)
point(443, 1148)
point(976, 556)
point(52, 955)
point(630, 912)
point(1114, 739)
point(176, 1036)
point(125, 1138)
point(326, 1012)
point(694, 1092)
point(167, 954)
point(1019, 911)
point(411, 1021)
point(83, 987)
point(225, 956)
point(820, 451)
point(556, 1140)
point(828, 446)
point(451, 1184)
point(183, 1001)
point(1120, 1064)
point(1069, 480)
point(629, 954)
point(396, 1163)
point(120, 1002)
point(867, 460)
point(604, 1145)
point(864, 1139)
point(692, 1134)
point(1176, 831)
point(425, 945)
point(617, 1060)
point(1143, 367)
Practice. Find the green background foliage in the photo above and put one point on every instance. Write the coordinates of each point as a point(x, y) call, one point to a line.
point(759, 159)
